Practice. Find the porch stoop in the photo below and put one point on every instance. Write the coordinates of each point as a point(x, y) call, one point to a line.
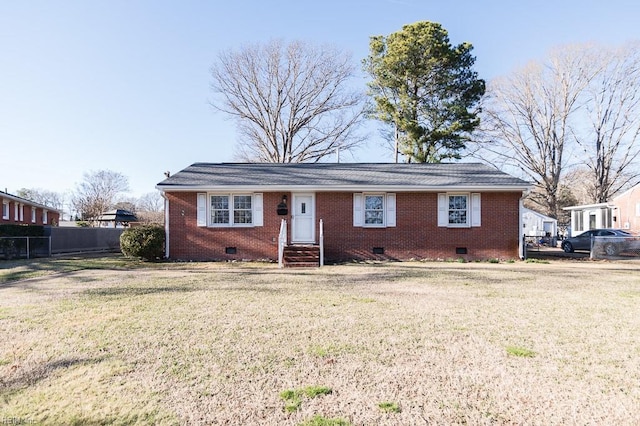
point(305, 256)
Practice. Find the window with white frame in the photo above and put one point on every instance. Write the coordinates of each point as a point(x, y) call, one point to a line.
point(459, 210)
point(231, 210)
point(21, 212)
point(16, 212)
point(242, 210)
point(222, 210)
point(374, 210)
point(5, 209)
point(33, 214)
point(45, 216)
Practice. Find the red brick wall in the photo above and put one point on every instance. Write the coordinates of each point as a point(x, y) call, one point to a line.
point(187, 241)
point(52, 217)
point(416, 235)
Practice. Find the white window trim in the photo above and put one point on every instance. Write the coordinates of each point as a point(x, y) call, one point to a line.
point(16, 212)
point(364, 210)
point(5, 210)
point(33, 215)
point(388, 210)
point(204, 210)
point(474, 210)
point(45, 217)
point(21, 212)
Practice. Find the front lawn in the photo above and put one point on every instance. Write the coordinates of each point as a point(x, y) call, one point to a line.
point(114, 342)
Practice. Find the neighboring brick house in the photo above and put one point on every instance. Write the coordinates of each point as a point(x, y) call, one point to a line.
point(368, 211)
point(18, 211)
point(627, 210)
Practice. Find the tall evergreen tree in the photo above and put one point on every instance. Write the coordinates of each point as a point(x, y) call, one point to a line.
point(426, 89)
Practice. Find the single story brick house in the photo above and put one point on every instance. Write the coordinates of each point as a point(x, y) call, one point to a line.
point(18, 211)
point(228, 211)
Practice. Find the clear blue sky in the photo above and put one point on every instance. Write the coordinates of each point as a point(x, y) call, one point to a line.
point(124, 84)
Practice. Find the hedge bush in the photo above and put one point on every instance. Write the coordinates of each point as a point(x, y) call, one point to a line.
point(10, 230)
point(146, 242)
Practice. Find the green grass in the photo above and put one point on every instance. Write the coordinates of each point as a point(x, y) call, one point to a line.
point(314, 391)
point(293, 398)
point(521, 352)
point(389, 407)
point(323, 421)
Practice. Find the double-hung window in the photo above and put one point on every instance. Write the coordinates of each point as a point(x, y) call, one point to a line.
point(220, 210)
point(225, 210)
point(242, 210)
point(459, 210)
point(374, 210)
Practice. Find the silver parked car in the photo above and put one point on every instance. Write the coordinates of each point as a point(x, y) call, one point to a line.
point(614, 244)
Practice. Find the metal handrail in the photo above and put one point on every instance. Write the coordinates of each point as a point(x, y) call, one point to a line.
point(321, 243)
point(282, 242)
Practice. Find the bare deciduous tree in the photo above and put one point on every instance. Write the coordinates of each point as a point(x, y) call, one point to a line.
point(579, 109)
point(291, 102)
point(43, 196)
point(97, 193)
point(527, 119)
point(150, 208)
point(151, 202)
point(610, 144)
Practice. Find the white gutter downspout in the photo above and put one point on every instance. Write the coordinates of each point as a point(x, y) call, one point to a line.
point(521, 247)
point(166, 225)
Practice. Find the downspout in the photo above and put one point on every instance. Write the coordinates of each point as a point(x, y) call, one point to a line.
point(521, 247)
point(166, 224)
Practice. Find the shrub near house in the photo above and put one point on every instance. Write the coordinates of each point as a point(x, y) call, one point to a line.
point(146, 242)
point(368, 211)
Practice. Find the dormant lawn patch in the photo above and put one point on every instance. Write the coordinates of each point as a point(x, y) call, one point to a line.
point(386, 344)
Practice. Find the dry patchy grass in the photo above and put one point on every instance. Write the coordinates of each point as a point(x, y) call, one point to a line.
point(440, 343)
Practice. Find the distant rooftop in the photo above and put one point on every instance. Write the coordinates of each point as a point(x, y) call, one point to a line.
point(4, 194)
point(118, 215)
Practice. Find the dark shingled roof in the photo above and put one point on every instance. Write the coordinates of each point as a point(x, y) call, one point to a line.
point(336, 175)
point(118, 215)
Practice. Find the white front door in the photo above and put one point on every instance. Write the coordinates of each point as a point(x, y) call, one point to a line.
point(303, 223)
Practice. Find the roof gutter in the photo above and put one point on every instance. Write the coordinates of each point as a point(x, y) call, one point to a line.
point(338, 188)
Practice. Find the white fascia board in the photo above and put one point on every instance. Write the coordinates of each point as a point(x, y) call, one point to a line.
point(338, 188)
point(589, 206)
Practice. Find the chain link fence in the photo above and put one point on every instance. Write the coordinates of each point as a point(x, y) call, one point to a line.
point(24, 247)
point(615, 247)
